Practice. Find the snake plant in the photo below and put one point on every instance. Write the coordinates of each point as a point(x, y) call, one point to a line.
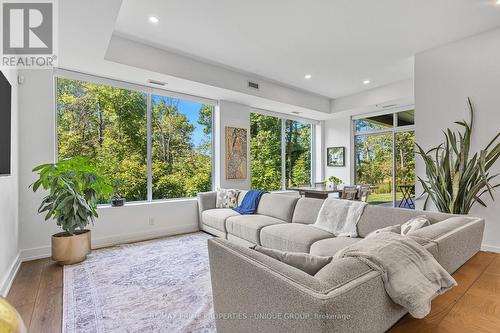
point(455, 180)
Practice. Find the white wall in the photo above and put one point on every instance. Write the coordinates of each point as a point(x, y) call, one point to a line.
point(338, 134)
point(444, 78)
point(232, 115)
point(9, 228)
point(37, 145)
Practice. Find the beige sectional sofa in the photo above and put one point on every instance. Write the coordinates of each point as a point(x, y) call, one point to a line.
point(256, 293)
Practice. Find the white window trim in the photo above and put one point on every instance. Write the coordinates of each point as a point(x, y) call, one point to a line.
point(149, 91)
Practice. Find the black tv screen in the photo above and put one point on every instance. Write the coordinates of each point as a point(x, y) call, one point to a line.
point(5, 105)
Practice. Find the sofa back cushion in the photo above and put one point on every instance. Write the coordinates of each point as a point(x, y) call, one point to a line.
point(376, 217)
point(277, 205)
point(306, 210)
point(341, 271)
point(241, 196)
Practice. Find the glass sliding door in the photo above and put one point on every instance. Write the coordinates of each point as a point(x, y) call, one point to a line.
point(385, 158)
point(373, 162)
point(405, 169)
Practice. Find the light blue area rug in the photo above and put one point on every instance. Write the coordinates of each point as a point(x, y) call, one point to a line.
point(155, 286)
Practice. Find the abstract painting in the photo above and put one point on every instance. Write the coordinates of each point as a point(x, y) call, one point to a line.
point(335, 156)
point(236, 153)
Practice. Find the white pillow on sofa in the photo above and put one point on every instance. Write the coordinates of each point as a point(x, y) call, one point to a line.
point(414, 224)
point(227, 198)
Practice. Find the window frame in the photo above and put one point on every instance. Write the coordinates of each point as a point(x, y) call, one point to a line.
point(392, 130)
point(312, 151)
point(149, 91)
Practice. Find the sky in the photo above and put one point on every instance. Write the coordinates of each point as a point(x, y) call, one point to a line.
point(190, 109)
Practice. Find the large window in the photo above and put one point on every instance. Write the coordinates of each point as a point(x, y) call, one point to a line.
point(280, 152)
point(181, 147)
point(298, 153)
point(110, 125)
point(384, 157)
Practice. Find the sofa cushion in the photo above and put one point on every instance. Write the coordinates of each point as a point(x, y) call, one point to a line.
point(330, 246)
point(439, 229)
point(376, 217)
point(248, 227)
point(341, 271)
point(294, 237)
point(241, 196)
point(303, 261)
point(216, 218)
point(306, 211)
point(277, 205)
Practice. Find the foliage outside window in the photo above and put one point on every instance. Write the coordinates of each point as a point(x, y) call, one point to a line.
point(266, 158)
point(384, 155)
point(265, 152)
point(298, 153)
point(182, 147)
point(109, 125)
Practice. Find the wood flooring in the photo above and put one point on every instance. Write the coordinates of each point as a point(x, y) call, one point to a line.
point(473, 306)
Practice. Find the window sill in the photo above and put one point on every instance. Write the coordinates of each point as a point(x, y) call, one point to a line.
point(147, 203)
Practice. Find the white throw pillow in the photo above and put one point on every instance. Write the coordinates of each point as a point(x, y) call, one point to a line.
point(414, 224)
point(227, 198)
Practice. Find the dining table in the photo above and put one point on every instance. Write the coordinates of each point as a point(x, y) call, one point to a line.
point(317, 192)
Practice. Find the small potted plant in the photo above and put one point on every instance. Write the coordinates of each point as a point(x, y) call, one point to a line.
point(117, 200)
point(75, 186)
point(334, 181)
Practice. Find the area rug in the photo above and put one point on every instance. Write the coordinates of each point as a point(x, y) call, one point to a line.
point(155, 286)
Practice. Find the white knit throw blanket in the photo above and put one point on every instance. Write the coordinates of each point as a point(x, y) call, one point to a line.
point(340, 217)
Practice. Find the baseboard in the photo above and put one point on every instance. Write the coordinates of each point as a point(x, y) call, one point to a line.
point(6, 283)
point(45, 251)
point(490, 248)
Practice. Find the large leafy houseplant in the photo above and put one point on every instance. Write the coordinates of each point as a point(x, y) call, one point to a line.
point(455, 180)
point(74, 186)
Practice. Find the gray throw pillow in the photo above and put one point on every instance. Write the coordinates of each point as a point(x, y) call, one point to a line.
point(227, 198)
point(305, 262)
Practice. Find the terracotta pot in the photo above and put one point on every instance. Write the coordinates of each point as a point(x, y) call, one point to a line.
point(70, 249)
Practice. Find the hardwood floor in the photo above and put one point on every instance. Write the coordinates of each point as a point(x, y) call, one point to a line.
point(473, 306)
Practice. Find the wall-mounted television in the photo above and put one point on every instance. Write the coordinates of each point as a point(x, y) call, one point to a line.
point(5, 130)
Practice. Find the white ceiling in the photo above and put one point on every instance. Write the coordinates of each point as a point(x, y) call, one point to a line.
point(339, 42)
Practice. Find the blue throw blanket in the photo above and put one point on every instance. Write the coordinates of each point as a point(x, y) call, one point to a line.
point(250, 202)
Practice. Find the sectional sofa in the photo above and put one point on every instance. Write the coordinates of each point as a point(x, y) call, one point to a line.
point(256, 293)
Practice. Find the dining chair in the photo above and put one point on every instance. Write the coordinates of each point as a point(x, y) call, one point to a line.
point(363, 192)
point(349, 192)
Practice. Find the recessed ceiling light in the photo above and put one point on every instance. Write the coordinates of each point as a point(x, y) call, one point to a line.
point(366, 82)
point(153, 19)
point(307, 76)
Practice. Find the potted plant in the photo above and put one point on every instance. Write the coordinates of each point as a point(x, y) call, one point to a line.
point(455, 180)
point(117, 200)
point(334, 181)
point(75, 186)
